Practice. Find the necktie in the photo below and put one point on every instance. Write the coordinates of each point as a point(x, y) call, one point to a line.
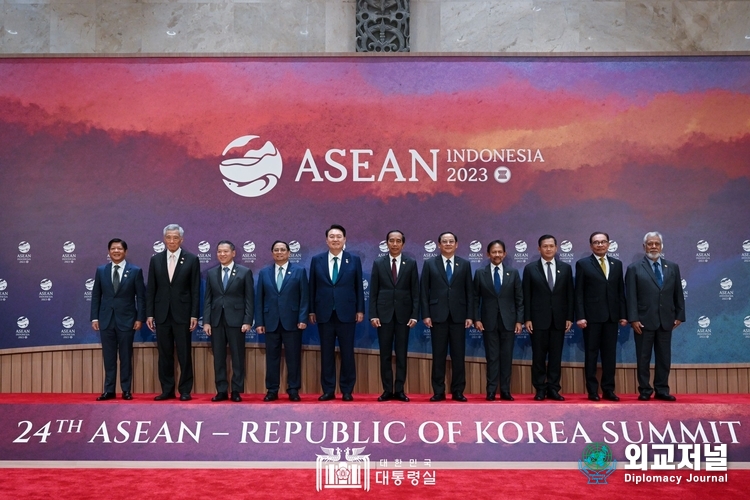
point(550, 279)
point(279, 279)
point(116, 278)
point(448, 271)
point(394, 273)
point(225, 280)
point(602, 265)
point(497, 280)
point(657, 272)
point(172, 264)
point(335, 273)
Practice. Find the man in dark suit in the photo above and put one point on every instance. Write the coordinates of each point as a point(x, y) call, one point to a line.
point(337, 304)
point(394, 309)
point(548, 311)
point(227, 314)
point(656, 306)
point(600, 304)
point(172, 308)
point(281, 313)
point(499, 316)
point(447, 300)
point(118, 309)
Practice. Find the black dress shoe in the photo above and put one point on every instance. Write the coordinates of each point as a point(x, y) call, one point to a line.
point(610, 396)
point(271, 396)
point(185, 397)
point(490, 396)
point(106, 395)
point(386, 396)
point(347, 397)
point(555, 395)
point(665, 397)
point(327, 396)
point(539, 396)
point(164, 396)
point(644, 397)
point(221, 396)
point(438, 397)
point(401, 396)
point(594, 397)
point(459, 396)
point(294, 396)
point(127, 395)
point(236, 397)
point(505, 396)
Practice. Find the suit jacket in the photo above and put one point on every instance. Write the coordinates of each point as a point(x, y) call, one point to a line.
point(124, 307)
point(389, 299)
point(286, 307)
point(438, 297)
point(508, 303)
point(599, 299)
point(237, 300)
point(181, 295)
point(547, 309)
point(649, 304)
point(347, 293)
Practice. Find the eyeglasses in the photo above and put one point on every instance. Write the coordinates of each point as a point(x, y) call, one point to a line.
point(602, 242)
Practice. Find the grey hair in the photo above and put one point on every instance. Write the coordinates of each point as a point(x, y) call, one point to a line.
point(176, 227)
point(653, 233)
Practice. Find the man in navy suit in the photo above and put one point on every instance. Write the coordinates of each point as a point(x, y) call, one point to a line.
point(656, 306)
point(447, 302)
point(118, 309)
point(600, 304)
point(548, 314)
point(337, 304)
point(227, 314)
point(394, 308)
point(499, 316)
point(172, 308)
point(282, 306)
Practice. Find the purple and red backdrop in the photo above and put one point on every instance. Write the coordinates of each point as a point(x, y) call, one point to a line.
point(255, 150)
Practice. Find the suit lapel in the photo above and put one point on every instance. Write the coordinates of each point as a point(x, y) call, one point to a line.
point(287, 275)
point(646, 263)
point(108, 276)
point(232, 275)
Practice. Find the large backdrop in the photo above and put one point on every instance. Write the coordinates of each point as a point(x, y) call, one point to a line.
point(254, 150)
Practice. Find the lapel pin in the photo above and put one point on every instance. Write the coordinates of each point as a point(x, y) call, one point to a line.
point(346, 261)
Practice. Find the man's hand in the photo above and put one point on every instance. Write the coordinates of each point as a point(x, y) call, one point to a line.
point(568, 325)
point(582, 323)
point(375, 322)
point(529, 327)
point(411, 323)
point(312, 318)
point(519, 328)
point(427, 322)
point(360, 317)
point(95, 325)
point(137, 325)
point(246, 327)
point(677, 323)
point(150, 324)
point(479, 326)
point(637, 325)
point(207, 329)
point(193, 323)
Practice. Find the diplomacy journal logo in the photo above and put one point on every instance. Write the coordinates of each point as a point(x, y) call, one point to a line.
point(253, 174)
point(596, 463)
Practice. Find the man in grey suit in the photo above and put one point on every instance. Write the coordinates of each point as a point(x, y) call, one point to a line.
point(227, 314)
point(548, 311)
point(656, 306)
point(394, 308)
point(118, 309)
point(447, 300)
point(499, 316)
point(600, 304)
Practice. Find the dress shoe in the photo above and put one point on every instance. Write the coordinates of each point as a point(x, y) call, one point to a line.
point(610, 396)
point(490, 396)
point(459, 396)
point(236, 397)
point(185, 397)
point(347, 397)
point(106, 395)
point(438, 397)
point(164, 396)
point(594, 397)
point(644, 397)
point(386, 396)
point(271, 396)
point(294, 396)
point(221, 396)
point(401, 396)
point(555, 395)
point(327, 396)
point(539, 396)
point(505, 396)
point(665, 397)
point(127, 395)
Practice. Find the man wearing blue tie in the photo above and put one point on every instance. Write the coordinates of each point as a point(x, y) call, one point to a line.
point(337, 304)
point(282, 305)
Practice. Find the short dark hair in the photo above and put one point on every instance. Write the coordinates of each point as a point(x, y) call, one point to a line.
point(546, 237)
point(493, 243)
point(447, 232)
point(279, 241)
point(403, 238)
point(117, 240)
point(336, 226)
point(591, 238)
point(225, 242)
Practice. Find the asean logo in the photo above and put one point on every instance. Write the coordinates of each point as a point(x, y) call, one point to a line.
point(256, 172)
